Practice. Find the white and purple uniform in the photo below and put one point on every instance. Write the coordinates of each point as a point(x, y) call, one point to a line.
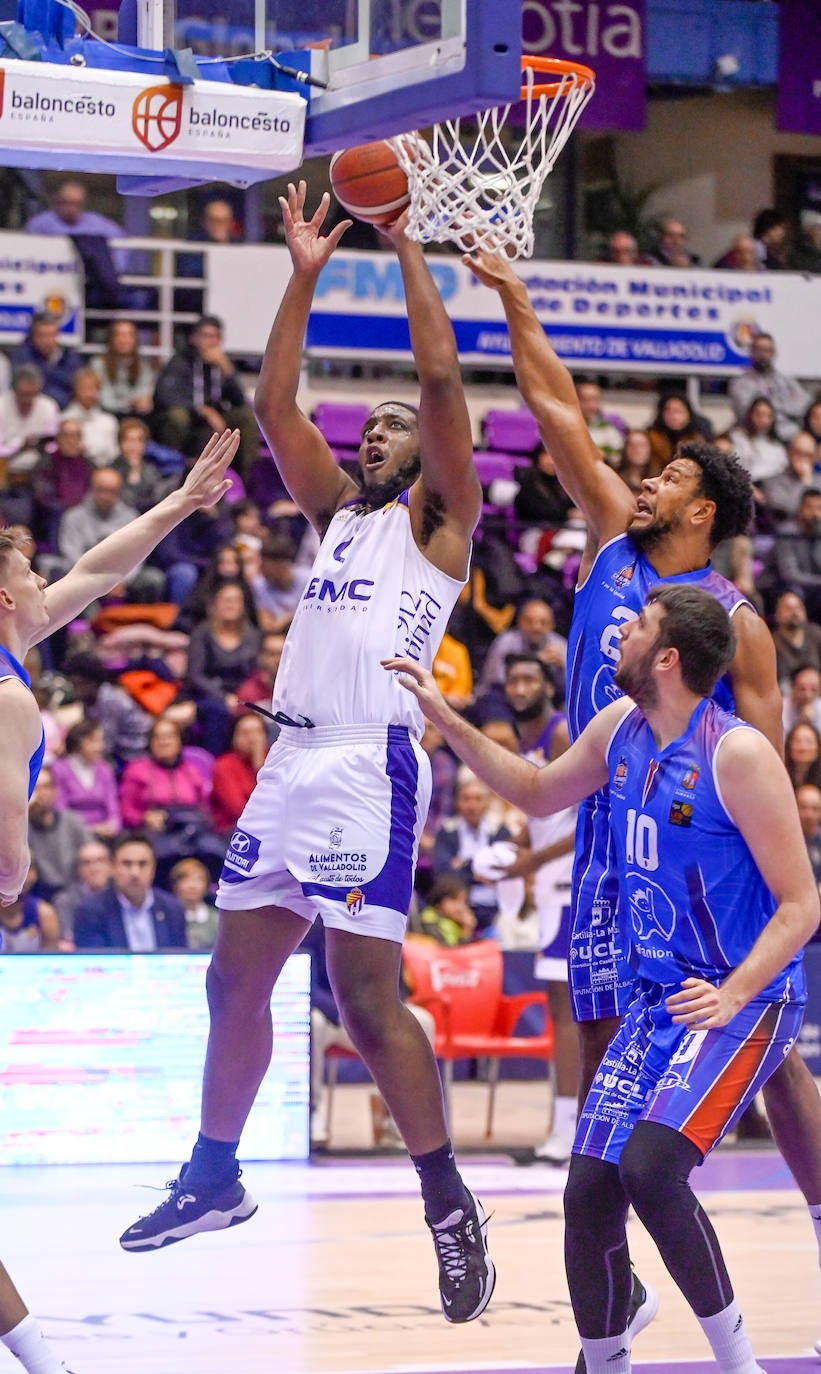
point(333, 825)
point(614, 592)
point(694, 904)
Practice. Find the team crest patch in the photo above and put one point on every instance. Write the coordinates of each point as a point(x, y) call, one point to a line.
point(626, 575)
point(355, 900)
point(681, 813)
point(620, 775)
point(243, 851)
point(690, 779)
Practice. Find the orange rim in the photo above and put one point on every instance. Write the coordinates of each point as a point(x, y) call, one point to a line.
point(555, 66)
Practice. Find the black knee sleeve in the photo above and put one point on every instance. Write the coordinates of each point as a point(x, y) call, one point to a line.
point(596, 1257)
point(654, 1170)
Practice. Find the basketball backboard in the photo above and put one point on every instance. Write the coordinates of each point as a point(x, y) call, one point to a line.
point(386, 65)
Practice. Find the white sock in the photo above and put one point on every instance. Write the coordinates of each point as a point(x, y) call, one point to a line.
point(608, 1356)
point(28, 1344)
point(815, 1217)
point(728, 1338)
point(565, 1110)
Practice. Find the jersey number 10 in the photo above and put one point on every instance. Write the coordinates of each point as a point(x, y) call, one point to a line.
point(642, 841)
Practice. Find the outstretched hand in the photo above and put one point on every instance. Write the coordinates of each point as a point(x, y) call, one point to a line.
point(309, 249)
point(206, 483)
point(492, 269)
point(421, 684)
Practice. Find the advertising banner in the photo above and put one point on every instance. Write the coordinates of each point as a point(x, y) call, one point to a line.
point(38, 272)
point(598, 317)
point(799, 67)
point(140, 124)
point(610, 38)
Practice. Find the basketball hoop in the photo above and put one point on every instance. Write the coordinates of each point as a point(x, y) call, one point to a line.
point(468, 188)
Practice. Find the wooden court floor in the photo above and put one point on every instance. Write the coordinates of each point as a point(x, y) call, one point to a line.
point(336, 1272)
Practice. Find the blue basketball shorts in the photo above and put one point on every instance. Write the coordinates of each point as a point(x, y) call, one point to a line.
point(332, 829)
point(697, 1082)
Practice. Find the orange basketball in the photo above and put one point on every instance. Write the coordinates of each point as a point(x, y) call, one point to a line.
point(369, 183)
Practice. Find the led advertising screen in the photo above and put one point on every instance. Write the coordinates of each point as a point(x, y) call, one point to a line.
point(101, 1060)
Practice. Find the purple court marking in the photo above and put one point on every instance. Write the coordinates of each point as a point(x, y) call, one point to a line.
point(785, 1364)
point(729, 1170)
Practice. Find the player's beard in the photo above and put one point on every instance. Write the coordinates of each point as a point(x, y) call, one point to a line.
point(648, 537)
point(379, 494)
point(530, 712)
point(636, 679)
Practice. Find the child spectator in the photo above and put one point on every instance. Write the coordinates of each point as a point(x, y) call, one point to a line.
point(448, 918)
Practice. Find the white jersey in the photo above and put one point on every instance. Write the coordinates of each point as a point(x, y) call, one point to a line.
point(372, 594)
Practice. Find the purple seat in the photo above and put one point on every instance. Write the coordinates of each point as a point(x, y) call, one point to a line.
point(513, 431)
point(491, 465)
point(341, 423)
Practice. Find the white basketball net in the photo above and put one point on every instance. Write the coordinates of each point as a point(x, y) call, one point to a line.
point(477, 192)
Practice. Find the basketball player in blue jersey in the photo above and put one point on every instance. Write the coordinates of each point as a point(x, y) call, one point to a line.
point(719, 899)
point(29, 611)
point(332, 828)
point(667, 534)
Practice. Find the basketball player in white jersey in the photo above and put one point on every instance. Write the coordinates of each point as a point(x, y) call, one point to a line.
point(333, 827)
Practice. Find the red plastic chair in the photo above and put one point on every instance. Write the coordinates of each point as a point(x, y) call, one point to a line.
point(462, 988)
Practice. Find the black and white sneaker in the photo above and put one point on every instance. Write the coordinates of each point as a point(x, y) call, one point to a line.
point(466, 1272)
point(185, 1212)
point(644, 1304)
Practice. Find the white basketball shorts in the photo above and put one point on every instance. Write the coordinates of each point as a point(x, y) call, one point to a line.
point(332, 829)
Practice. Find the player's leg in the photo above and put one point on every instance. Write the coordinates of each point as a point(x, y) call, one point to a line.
point(556, 1148)
point(711, 1078)
point(598, 1264)
point(794, 1109)
point(364, 973)
point(250, 952)
point(654, 1170)
point(594, 1037)
point(21, 1334)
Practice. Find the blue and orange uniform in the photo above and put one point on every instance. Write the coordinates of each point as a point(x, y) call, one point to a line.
point(694, 903)
point(601, 978)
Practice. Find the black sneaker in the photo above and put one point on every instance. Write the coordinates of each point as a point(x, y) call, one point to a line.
point(185, 1212)
point(466, 1273)
point(644, 1304)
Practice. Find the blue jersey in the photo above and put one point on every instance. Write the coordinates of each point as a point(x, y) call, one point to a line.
point(614, 592)
point(692, 897)
point(9, 667)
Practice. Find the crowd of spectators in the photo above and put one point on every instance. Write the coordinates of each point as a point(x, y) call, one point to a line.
point(149, 704)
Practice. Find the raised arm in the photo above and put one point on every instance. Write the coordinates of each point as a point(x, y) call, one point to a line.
point(758, 796)
point(111, 561)
point(21, 735)
point(753, 675)
point(308, 467)
point(445, 439)
point(536, 791)
point(547, 389)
